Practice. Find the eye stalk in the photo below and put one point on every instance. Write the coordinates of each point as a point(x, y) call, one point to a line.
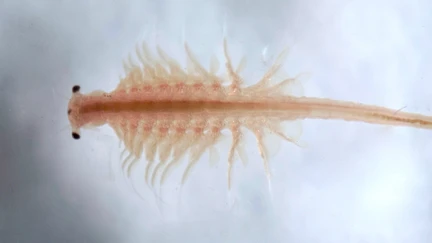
point(75, 135)
point(76, 88)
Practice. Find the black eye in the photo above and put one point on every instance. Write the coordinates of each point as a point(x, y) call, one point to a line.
point(69, 111)
point(75, 135)
point(76, 88)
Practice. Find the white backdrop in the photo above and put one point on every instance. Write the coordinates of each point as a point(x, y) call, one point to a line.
point(352, 183)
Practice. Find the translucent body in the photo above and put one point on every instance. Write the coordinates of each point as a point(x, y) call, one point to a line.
point(163, 112)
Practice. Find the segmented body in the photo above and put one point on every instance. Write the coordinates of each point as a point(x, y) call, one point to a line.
point(162, 112)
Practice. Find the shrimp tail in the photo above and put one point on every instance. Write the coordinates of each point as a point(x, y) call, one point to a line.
point(319, 108)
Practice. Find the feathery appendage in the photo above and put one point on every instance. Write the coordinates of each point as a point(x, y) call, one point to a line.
point(168, 137)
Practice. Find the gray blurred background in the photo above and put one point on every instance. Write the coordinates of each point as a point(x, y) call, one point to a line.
point(352, 183)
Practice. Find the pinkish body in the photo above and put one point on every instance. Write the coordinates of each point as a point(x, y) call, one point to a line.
point(160, 109)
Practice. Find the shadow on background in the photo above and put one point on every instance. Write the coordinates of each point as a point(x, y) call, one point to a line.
point(34, 56)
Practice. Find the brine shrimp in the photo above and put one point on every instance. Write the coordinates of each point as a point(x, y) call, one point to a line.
point(162, 112)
